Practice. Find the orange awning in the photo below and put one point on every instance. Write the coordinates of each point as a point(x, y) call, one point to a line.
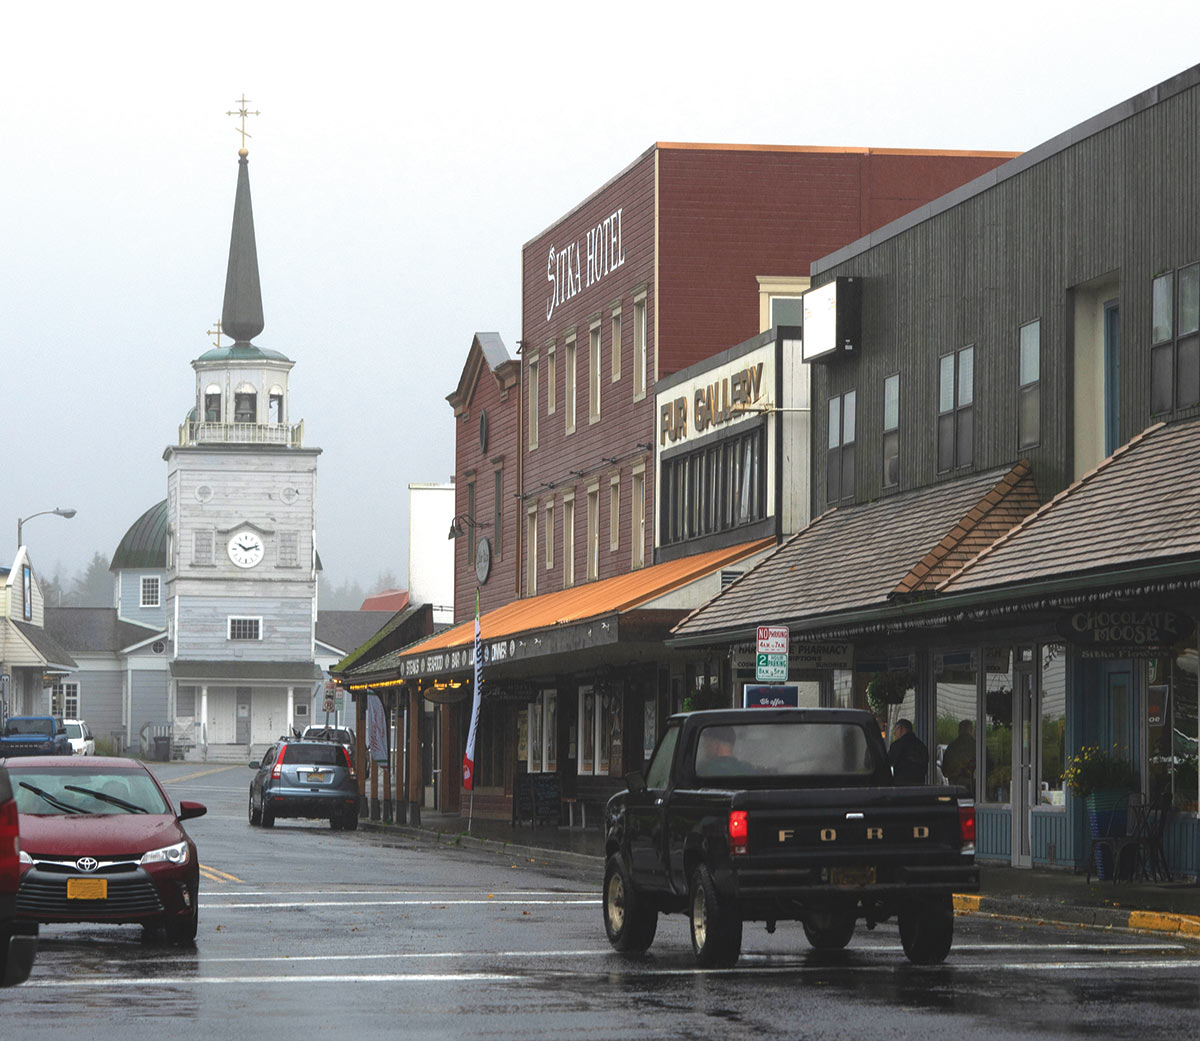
point(566, 607)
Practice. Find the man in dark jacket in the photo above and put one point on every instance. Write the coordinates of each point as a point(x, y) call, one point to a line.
point(909, 758)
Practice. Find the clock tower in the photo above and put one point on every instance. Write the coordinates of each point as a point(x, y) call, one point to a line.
point(241, 579)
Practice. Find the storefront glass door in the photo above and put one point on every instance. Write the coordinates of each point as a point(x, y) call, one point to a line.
point(1024, 732)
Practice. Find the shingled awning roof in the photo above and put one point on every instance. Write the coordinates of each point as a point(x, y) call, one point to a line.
point(865, 557)
point(1136, 516)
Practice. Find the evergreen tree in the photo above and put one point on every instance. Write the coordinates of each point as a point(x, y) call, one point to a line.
point(94, 587)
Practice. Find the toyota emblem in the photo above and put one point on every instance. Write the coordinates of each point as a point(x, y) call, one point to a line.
point(87, 863)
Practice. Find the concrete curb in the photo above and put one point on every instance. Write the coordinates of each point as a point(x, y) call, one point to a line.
point(464, 838)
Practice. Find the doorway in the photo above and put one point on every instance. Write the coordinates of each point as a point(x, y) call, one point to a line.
point(431, 753)
point(1024, 746)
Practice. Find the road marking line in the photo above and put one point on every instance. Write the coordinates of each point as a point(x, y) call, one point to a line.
point(414, 955)
point(748, 957)
point(198, 773)
point(398, 903)
point(508, 894)
point(256, 981)
point(213, 875)
point(634, 970)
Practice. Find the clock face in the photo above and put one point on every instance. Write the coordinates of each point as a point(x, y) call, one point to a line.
point(483, 560)
point(245, 549)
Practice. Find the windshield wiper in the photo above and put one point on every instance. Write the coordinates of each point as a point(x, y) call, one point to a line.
point(105, 797)
point(58, 804)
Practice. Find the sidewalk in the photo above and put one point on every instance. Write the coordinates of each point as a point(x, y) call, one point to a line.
point(1044, 896)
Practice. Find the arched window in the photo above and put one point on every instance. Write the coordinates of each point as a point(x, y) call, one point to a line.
point(245, 404)
point(212, 404)
point(275, 405)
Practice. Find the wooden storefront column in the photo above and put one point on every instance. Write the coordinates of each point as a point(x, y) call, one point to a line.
point(360, 751)
point(388, 706)
point(415, 785)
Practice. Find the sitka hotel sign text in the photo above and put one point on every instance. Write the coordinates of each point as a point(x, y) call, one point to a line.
point(573, 267)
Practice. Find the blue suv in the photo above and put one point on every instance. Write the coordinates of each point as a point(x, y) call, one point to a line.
point(298, 778)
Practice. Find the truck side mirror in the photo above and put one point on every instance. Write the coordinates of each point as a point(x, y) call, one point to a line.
point(636, 782)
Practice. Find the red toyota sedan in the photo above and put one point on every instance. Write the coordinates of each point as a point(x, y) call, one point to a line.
point(101, 842)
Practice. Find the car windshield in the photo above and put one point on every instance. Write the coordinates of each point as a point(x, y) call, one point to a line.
point(801, 749)
point(315, 755)
point(49, 791)
point(30, 726)
point(74, 730)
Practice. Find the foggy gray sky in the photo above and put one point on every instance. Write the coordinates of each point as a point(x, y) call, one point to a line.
point(402, 158)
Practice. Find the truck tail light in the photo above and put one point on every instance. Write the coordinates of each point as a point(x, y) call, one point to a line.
point(10, 844)
point(739, 832)
point(277, 769)
point(966, 826)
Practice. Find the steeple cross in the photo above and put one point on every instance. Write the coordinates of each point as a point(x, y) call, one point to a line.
point(216, 332)
point(243, 112)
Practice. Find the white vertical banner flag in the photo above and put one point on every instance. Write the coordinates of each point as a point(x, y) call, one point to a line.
point(377, 736)
point(469, 754)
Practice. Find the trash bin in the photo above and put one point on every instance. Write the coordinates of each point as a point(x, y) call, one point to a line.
point(162, 749)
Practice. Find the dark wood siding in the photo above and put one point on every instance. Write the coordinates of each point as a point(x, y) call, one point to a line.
point(1123, 202)
point(475, 465)
point(570, 462)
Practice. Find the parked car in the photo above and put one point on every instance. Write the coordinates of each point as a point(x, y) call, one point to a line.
point(304, 778)
point(101, 842)
point(343, 735)
point(34, 735)
point(80, 736)
point(18, 940)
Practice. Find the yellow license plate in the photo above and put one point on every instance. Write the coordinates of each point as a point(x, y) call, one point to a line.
point(87, 888)
point(317, 776)
point(852, 876)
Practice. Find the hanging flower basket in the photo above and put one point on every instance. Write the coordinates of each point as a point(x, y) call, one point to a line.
point(887, 688)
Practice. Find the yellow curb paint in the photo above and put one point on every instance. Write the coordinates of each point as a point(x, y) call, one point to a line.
point(1164, 923)
point(966, 901)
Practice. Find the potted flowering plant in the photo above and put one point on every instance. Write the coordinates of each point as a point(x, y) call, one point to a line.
point(1104, 780)
point(1093, 769)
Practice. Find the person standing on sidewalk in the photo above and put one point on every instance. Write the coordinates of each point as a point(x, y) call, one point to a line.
point(908, 756)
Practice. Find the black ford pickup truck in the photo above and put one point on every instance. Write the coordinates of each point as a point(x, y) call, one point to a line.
point(783, 815)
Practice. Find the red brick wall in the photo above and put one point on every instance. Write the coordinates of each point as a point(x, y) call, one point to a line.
point(727, 215)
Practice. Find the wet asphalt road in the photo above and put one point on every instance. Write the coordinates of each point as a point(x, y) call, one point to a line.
point(309, 933)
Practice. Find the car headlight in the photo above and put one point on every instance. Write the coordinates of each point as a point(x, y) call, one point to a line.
point(177, 854)
point(24, 858)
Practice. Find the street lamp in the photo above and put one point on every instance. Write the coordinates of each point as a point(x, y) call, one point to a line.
point(60, 512)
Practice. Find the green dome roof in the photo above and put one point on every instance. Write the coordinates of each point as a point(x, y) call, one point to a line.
point(242, 352)
point(144, 544)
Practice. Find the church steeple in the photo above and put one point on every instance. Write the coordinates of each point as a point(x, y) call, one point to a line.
point(242, 313)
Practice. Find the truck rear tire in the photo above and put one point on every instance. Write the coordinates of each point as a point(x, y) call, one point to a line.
point(716, 930)
point(927, 929)
point(829, 930)
point(629, 923)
